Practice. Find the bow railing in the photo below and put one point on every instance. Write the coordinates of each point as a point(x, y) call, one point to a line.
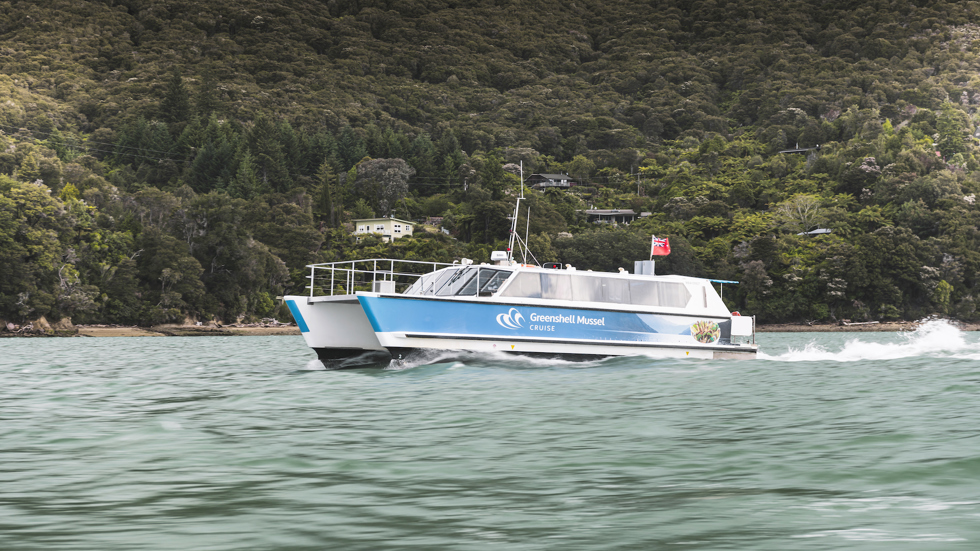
point(382, 275)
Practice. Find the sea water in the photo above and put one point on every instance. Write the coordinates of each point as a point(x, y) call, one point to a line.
point(826, 441)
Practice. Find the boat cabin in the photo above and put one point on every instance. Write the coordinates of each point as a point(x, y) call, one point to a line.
point(563, 285)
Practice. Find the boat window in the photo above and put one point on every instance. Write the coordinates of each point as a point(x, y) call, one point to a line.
point(615, 290)
point(455, 283)
point(485, 279)
point(525, 284)
point(556, 286)
point(415, 288)
point(430, 283)
point(582, 288)
point(659, 293)
point(494, 281)
point(600, 289)
point(587, 289)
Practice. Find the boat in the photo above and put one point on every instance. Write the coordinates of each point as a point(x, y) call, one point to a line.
point(515, 309)
point(371, 312)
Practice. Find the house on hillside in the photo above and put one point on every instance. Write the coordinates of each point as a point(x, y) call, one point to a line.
point(544, 181)
point(613, 216)
point(818, 231)
point(387, 228)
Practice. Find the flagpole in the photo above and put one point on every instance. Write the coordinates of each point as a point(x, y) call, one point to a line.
point(653, 263)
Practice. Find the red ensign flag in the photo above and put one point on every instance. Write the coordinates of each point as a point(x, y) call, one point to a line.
point(660, 246)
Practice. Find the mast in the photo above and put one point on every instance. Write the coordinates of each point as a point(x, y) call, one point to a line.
point(527, 231)
point(513, 221)
point(522, 179)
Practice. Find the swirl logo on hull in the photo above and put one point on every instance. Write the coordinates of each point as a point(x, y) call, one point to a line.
point(511, 320)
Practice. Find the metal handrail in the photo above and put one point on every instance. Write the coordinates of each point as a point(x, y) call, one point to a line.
point(347, 270)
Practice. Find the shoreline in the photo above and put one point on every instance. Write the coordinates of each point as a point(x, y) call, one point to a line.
point(873, 327)
point(173, 330)
point(161, 331)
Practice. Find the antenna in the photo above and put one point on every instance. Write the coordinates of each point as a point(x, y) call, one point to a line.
point(513, 222)
point(514, 237)
point(528, 228)
point(522, 179)
point(527, 231)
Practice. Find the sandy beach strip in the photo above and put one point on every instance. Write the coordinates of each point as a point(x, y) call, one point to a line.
point(90, 331)
point(183, 331)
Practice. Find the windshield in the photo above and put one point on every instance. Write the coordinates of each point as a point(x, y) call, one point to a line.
point(487, 283)
point(456, 281)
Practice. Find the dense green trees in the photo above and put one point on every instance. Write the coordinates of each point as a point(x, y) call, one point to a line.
point(165, 161)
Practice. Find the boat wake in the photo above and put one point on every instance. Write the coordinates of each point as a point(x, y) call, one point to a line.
point(313, 365)
point(422, 358)
point(485, 359)
point(934, 338)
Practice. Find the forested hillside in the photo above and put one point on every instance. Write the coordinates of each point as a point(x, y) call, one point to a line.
point(165, 160)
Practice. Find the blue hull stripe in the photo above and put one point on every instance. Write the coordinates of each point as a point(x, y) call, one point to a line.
point(728, 347)
point(298, 316)
point(590, 309)
point(503, 321)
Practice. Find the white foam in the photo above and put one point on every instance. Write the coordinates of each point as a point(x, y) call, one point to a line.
point(934, 338)
point(313, 365)
point(420, 358)
point(494, 357)
point(876, 535)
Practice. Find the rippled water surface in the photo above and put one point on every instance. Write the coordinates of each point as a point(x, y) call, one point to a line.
point(828, 441)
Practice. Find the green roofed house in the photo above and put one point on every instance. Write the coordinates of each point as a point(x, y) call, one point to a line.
point(387, 228)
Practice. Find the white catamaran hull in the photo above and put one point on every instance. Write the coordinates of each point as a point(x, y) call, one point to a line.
point(337, 329)
point(370, 329)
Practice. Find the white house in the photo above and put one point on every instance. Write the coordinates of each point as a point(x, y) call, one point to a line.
point(387, 228)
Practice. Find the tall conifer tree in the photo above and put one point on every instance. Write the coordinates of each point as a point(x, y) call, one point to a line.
point(268, 156)
point(328, 201)
point(176, 105)
point(246, 184)
point(423, 155)
point(350, 148)
point(207, 100)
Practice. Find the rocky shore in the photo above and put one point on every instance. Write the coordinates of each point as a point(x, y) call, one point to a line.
point(64, 328)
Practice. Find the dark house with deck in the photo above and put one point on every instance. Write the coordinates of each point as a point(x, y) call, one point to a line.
point(613, 216)
point(544, 181)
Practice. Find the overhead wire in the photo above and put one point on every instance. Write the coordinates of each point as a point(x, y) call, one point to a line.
point(49, 134)
point(113, 149)
point(88, 148)
point(84, 145)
